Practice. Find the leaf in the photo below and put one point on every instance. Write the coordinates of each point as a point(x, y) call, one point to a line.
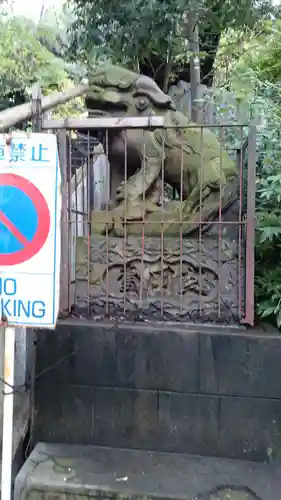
point(266, 312)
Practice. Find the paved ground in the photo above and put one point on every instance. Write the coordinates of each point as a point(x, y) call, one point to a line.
point(67, 472)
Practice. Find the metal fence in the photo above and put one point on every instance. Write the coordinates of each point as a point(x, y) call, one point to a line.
point(158, 223)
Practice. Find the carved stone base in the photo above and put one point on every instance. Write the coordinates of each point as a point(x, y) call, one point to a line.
point(158, 279)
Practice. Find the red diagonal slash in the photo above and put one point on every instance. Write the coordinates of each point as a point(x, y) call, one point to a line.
point(12, 228)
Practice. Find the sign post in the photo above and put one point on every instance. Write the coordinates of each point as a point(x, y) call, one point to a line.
point(30, 215)
point(8, 413)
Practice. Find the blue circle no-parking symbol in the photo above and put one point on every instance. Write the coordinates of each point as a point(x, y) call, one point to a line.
point(24, 219)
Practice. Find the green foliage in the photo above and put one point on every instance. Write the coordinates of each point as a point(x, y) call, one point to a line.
point(262, 102)
point(24, 61)
point(258, 49)
point(52, 30)
point(250, 66)
point(268, 203)
point(234, 45)
point(53, 34)
point(136, 31)
point(30, 54)
point(262, 52)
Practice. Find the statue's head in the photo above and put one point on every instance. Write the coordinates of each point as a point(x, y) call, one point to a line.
point(118, 91)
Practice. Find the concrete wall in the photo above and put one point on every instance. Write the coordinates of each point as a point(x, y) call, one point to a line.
point(208, 391)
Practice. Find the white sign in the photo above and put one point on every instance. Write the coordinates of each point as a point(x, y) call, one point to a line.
point(30, 216)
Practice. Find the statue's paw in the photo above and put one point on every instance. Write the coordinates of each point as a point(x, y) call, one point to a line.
point(131, 188)
point(122, 191)
point(101, 222)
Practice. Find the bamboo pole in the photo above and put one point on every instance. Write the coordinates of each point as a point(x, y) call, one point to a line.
point(12, 116)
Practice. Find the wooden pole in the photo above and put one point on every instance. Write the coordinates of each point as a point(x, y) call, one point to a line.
point(193, 38)
point(36, 104)
point(12, 116)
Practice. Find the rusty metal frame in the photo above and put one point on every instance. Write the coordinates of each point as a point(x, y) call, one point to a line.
point(250, 230)
point(142, 122)
point(64, 127)
point(65, 275)
point(104, 123)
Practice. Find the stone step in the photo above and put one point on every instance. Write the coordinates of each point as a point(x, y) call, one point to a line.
point(65, 472)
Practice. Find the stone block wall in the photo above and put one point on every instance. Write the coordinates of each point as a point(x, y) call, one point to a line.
point(205, 391)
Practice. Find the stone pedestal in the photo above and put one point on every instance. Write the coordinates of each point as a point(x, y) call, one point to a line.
point(161, 278)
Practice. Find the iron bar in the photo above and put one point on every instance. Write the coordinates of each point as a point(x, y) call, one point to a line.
point(250, 229)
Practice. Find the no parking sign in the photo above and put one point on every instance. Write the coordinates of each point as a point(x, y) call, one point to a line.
point(30, 213)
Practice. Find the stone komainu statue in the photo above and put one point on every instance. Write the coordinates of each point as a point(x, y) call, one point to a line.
point(182, 279)
point(191, 160)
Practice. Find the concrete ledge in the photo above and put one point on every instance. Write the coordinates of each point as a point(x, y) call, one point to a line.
point(210, 360)
point(82, 472)
point(208, 391)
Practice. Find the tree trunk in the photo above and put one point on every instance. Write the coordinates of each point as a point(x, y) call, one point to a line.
point(168, 69)
point(193, 42)
point(155, 66)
